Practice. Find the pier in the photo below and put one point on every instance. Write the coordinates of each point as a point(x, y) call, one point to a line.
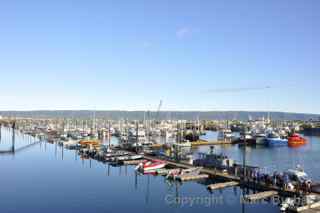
point(313, 208)
point(191, 177)
point(13, 149)
point(222, 185)
point(232, 180)
point(260, 196)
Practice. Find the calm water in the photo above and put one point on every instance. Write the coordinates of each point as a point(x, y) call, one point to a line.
point(46, 178)
point(277, 158)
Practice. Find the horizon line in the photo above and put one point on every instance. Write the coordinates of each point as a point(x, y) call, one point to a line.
point(142, 110)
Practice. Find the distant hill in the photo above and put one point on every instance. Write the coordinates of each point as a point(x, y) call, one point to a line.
point(188, 115)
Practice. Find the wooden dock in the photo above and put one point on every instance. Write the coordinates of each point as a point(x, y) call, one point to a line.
point(260, 196)
point(315, 210)
point(215, 173)
point(222, 185)
point(207, 171)
point(315, 207)
point(191, 177)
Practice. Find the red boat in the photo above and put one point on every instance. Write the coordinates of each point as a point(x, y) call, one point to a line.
point(153, 165)
point(296, 140)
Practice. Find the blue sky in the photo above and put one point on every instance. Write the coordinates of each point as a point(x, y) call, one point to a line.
point(104, 54)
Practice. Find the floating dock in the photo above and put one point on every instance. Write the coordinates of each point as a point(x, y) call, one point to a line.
point(211, 172)
point(260, 196)
point(313, 208)
point(222, 185)
point(191, 177)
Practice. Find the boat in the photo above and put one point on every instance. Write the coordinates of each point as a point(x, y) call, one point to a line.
point(184, 172)
point(225, 134)
point(298, 175)
point(274, 140)
point(137, 137)
point(246, 135)
point(152, 165)
point(90, 142)
point(296, 140)
point(116, 154)
point(129, 157)
point(259, 136)
point(213, 160)
point(246, 138)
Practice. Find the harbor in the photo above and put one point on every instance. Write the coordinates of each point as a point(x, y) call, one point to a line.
point(215, 163)
point(159, 106)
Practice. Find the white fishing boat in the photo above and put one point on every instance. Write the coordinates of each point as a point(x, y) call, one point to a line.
point(259, 135)
point(298, 175)
point(225, 134)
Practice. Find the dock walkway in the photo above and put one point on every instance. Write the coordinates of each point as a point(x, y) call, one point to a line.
point(214, 173)
point(260, 196)
point(222, 185)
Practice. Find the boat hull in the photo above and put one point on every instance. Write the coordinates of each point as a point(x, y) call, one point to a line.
point(296, 141)
point(151, 166)
point(276, 142)
point(154, 167)
point(260, 141)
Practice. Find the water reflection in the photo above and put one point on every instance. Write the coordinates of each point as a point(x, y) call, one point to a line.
point(63, 183)
point(278, 158)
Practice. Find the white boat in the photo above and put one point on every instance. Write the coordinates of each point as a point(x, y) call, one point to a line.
point(141, 136)
point(259, 135)
point(260, 139)
point(246, 135)
point(130, 157)
point(116, 154)
point(184, 172)
point(225, 134)
point(274, 140)
point(298, 174)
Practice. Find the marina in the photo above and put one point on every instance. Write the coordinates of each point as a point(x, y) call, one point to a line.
point(159, 106)
point(215, 166)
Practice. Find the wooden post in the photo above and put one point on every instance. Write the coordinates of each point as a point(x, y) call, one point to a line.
point(109, 134)
point(13, 136)
point(137, 135)
point(244, 156)
point(0, 130)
